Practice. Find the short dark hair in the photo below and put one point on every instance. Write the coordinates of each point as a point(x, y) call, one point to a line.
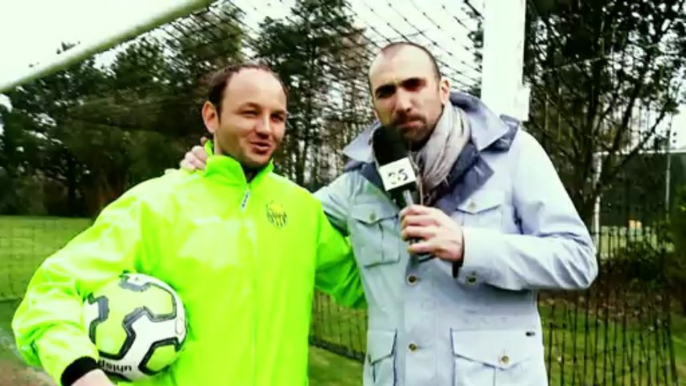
point(394, 46)
point(220, 79)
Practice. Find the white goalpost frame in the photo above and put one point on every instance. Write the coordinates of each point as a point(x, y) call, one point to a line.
point(502, 87)
point(503, 52)
point(80, 52)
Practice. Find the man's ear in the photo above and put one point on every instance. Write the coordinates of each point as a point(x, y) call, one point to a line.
point(444, 90)
point(210, 117)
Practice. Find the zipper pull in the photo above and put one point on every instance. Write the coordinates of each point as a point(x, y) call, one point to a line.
point(244, 202)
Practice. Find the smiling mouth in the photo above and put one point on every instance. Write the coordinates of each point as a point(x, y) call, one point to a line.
point(261, 147)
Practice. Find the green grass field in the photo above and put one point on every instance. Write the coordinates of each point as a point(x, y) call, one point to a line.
point(25, 242)
point(594, 348)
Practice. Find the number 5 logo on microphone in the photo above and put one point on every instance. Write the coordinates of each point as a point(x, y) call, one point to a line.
point(397, 173)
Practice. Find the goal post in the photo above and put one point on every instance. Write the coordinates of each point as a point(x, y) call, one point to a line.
point(502, 87)
point(83, 51)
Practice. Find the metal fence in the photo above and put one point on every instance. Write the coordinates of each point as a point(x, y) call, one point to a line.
point(75, 140)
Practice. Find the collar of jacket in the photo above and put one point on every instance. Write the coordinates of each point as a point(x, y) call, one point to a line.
point(487, 129)
point(228, 170)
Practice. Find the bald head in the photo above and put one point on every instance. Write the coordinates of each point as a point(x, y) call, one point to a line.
point(407, 90)
point(412, 50)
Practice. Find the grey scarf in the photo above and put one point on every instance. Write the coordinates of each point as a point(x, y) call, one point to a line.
point(435, 160)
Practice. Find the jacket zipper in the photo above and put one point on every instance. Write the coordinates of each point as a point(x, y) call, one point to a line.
point(244, 202)
point(244, 205)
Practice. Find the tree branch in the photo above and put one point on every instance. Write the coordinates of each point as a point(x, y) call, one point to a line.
point(607, 176)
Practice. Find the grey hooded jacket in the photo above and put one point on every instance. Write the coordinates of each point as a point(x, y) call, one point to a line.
point(431, 325)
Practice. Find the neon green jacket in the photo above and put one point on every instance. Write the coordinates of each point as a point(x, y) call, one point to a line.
point(245, 259)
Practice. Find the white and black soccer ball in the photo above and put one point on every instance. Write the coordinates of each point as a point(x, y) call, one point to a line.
point(138, 324)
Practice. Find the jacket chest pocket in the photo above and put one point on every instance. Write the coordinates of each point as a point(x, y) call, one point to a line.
point(498, 357)
point(484, 209)
point(376, 234)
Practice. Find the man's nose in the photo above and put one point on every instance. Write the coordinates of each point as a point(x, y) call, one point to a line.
point(264, 125)
point(403, 101)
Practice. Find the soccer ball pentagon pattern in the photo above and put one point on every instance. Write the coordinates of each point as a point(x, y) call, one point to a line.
point(138, 324)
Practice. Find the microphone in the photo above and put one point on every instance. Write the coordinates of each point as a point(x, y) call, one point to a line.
point(394, 166)
point(396, 171)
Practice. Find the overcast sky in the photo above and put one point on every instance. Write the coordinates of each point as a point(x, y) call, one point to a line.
point(32, 30)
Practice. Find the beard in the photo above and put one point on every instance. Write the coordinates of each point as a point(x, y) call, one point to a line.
point(403, 118)
point(417, 134)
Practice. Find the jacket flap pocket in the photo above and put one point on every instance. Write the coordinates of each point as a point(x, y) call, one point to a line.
point(380, 344)
point(498, 348)
point(482, 201)
point(370, 213)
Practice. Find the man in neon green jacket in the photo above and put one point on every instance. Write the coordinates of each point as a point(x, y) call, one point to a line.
point(243, 247)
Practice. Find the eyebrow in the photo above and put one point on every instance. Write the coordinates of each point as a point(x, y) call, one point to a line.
point(249, 105)
point(257, 106)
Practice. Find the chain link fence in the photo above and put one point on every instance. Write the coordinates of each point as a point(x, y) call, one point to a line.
point(75, 140)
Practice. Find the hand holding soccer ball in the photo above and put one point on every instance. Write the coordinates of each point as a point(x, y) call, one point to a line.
point(138, 324)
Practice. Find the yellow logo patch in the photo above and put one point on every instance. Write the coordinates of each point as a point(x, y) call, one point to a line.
point(276, 214)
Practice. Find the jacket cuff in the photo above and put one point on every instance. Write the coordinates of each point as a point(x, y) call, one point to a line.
point(477, 265)
point(78, 369)
point(59, 347)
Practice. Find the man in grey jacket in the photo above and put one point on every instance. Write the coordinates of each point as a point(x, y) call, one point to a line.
point(494, 216)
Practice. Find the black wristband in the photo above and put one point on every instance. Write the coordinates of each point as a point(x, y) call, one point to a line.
point(78, 369)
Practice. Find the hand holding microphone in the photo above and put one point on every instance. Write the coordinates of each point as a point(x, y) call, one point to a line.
point(440, 236)
point(429, 230)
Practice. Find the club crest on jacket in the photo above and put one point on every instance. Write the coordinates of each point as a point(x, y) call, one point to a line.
point(276, 214)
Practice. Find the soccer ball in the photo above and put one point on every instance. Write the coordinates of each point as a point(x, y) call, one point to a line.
point(138, 324)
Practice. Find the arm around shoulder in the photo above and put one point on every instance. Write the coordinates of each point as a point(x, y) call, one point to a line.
point(336, 200)
point(337, 272)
